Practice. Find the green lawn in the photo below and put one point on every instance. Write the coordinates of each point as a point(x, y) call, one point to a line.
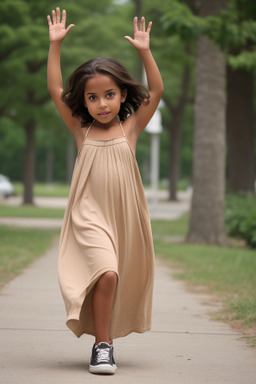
point(19, 247)
point(30, 211)
point(45, 190)
point(228, 272)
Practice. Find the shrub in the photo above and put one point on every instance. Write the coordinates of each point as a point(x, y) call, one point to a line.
point(240, 217)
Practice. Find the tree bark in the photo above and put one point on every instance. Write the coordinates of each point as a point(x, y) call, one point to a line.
point(207, 211)
point(177, 113)
point(174, 157)
point(240, 130)
point(29, 162)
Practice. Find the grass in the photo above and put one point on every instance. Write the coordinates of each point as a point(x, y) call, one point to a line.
point(166, 230)
point(30, 211)
point(20, 247)
point(226, 272)
point(45, 190)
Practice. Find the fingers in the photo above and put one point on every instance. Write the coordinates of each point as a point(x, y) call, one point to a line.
point(56, 19)
point(63, 17)
point(149, 27)
point(129, 39)
point(58, 15)
point(142, 24)
point(49, 21)
point(142, 27)
point(70, 27)
point(135, 24)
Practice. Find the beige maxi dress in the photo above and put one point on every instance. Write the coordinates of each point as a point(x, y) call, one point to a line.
point(107, 228)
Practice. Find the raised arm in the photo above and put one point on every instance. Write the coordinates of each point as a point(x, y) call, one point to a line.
point(57, 32)
point(141, 42)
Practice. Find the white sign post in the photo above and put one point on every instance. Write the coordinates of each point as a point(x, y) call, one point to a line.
point(154, 127)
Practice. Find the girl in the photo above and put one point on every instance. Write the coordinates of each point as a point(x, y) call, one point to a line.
point(106, 257)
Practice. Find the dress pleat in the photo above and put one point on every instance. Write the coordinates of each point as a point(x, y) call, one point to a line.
point(106, 227)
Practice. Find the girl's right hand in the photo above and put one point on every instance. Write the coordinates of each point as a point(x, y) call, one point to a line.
point(57, 26)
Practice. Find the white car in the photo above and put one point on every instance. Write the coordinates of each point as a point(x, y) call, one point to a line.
point(6, 187)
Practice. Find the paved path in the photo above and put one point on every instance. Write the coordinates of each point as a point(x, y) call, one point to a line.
point(162, 210)
point(184, 347)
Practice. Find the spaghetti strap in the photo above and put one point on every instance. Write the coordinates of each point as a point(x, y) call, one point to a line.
point(121, 125)
point(89, 129)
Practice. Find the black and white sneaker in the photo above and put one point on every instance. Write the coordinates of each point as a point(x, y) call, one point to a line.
point(102, 360)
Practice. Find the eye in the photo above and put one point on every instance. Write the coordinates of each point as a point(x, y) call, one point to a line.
point(110, 95)
point(92, 98)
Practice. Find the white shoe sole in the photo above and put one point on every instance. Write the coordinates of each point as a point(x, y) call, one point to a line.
point(104, 369)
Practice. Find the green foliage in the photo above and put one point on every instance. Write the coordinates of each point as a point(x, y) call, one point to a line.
point(241, 217)
point(23, 59)
point(11, 147)
point(180, 20)
point(234, 30)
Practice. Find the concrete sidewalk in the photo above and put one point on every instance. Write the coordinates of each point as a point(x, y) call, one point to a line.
point(184, 347)
point(160, 210)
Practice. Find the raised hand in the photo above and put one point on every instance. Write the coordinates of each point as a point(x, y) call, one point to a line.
point(141, 35)
point(57, 26)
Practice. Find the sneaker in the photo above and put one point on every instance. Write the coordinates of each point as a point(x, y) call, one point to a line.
point(102, 360)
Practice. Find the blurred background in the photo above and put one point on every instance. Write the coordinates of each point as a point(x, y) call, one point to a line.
point(206, 55)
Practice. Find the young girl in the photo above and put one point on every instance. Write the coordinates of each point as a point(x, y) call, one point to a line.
point(106, 256)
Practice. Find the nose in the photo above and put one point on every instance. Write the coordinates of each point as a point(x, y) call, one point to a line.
point(102, 102)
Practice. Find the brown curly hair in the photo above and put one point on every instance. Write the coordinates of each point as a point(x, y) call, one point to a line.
point(73, 95)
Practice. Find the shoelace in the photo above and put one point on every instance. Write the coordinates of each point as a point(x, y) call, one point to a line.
point(103, 355)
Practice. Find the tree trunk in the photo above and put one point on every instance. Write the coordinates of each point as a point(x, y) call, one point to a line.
point(174, 157)
point(177, 113)
point(240, 130)
point(29, 162)
point(207, 212)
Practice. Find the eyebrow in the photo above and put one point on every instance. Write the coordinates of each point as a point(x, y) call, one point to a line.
point(107, 91)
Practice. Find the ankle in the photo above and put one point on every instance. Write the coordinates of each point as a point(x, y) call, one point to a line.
point(104, 340)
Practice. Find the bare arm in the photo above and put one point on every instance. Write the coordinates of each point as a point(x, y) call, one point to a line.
point(154, 79)
point(57, 32)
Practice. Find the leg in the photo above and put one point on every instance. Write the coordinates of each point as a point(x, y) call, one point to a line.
point(102, 303)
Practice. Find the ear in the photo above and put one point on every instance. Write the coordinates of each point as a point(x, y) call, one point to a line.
point(123, 95)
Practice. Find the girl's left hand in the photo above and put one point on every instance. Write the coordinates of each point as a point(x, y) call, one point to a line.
point(141, 35)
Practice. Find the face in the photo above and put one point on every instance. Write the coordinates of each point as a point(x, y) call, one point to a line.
point(103, 98)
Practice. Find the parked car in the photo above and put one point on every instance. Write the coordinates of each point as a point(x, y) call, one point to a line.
point(6, 187)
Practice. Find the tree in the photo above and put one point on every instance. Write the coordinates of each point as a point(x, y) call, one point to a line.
point(240, 130)
point(23, 57)
point(22, 64)
point(176, 64)
point(207, 212)
point(218, 26)
point(240, 98)
point(177, 110)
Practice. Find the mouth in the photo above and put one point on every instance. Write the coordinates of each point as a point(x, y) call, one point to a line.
point(104, 114)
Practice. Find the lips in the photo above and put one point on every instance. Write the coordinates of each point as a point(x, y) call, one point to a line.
point(104, 114)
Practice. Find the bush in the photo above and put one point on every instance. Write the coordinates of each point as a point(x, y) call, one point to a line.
point(240, 217)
